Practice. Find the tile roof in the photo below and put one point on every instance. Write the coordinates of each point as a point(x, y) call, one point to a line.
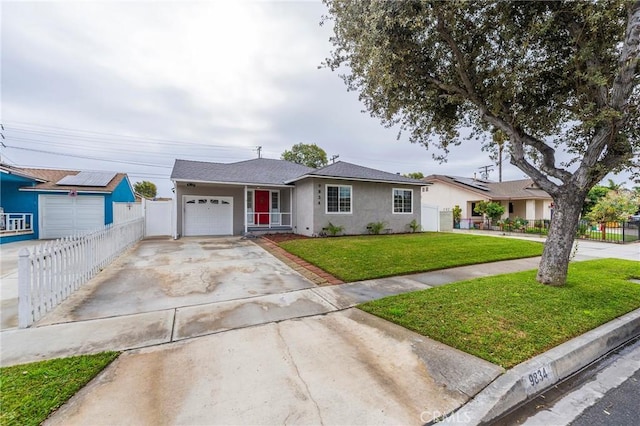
point(344, 170)
point(49, 177)
point(513, 189)
point(261, 171)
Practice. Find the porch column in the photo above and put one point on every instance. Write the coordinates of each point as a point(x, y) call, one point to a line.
point(531, 210)
point(291, 207)
point(244, 213)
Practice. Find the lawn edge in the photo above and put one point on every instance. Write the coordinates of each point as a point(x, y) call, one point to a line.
point(512, 389)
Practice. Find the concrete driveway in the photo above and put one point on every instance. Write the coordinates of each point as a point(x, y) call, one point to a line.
point(167, 274)
point(345, 367)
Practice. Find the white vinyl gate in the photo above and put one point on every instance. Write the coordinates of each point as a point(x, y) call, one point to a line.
point(157, 218)
point(124, 212)
point(430, 219)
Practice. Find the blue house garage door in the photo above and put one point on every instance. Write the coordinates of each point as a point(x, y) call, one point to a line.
point(62, 215)
point(207, 215)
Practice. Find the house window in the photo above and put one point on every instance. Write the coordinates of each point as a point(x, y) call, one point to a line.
point(473, 211)
point(510, 208)
point(250, 217)
point(338, 199)
point(275, 208)
point(402, 200)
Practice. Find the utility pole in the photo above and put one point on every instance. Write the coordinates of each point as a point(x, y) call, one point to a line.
point(259, 149)
point(334, 158)
point(2, 140)
point(485, 171)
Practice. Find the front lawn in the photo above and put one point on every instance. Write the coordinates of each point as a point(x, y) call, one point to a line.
point(29, 393)
point(376, 256)
point(510, 318)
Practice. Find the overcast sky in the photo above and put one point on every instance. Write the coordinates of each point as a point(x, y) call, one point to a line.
point(131, 86)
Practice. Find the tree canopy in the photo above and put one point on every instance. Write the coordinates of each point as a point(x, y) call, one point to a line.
point(593, 196)
point(310, 155)
point(415, 175)
point(614, 206)
point(146, 189)
point(558, 78)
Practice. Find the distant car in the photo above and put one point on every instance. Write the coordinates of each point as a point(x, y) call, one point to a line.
point(634, 219)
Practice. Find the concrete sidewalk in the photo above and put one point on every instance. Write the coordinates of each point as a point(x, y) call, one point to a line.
point(169, 325)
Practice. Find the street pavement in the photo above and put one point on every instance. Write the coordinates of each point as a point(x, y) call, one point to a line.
point(606, 393)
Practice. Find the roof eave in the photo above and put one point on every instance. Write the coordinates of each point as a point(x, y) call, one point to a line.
point(278, 185)
point(79, 191)
point(359, 180)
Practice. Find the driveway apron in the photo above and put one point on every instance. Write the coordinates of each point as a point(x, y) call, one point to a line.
point(345, 367)
point(167, 274)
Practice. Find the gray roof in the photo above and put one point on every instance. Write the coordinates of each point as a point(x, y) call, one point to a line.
point(513, 189)
point(344, 170)
point(262, 171)
point(265, 171)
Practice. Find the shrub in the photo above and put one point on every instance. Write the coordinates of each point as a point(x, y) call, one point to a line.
point(334, 230)
point(457, 215)
point(491, 210)
point(375, 227)
point(414, 226)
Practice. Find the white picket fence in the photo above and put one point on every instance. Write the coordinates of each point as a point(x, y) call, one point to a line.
point(54, 270)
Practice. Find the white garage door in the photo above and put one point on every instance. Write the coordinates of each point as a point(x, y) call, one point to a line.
point(62, 215)
point(208, 215)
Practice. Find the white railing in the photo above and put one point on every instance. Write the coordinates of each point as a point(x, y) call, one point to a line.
point(268, 220)
point(16, 222)
point(54, 270)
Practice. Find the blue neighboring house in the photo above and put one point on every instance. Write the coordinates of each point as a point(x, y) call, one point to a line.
point(51, 203)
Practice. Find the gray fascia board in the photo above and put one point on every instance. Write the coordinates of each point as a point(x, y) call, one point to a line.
point(64, 191)
point(231, 183)
point(359, 180)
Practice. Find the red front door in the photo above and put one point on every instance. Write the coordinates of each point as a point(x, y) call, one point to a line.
point(262, 207)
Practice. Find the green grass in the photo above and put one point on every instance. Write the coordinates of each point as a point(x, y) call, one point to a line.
point(510, 318)
point(368, 257)
point(29, 393)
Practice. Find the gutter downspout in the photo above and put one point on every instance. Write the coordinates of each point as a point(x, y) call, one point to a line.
point(244, 214)
point(176, 202)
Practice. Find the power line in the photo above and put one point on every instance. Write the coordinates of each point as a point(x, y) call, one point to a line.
point(99, 136)
point(136, 163)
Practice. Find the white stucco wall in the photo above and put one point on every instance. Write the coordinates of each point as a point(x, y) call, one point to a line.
point(304, 201)
point(446, 197)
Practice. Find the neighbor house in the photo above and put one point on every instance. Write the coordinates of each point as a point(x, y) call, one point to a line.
point(520, 198)
point(279, 196)
point(51, 203)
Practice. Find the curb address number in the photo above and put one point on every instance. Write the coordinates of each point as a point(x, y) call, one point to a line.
point(538, 376)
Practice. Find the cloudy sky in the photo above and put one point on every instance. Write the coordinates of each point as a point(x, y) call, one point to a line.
point(131, 86)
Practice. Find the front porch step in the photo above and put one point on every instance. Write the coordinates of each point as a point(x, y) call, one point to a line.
point(261, 230)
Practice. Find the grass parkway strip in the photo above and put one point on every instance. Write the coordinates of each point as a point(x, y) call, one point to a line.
point(510, 318)
point(29, 393)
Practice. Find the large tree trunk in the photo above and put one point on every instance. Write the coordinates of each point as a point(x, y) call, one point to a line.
point(562, 232)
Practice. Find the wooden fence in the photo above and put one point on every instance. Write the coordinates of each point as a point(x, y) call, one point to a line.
point(54, 270)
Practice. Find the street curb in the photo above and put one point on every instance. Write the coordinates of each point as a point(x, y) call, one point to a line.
point(530, 378)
